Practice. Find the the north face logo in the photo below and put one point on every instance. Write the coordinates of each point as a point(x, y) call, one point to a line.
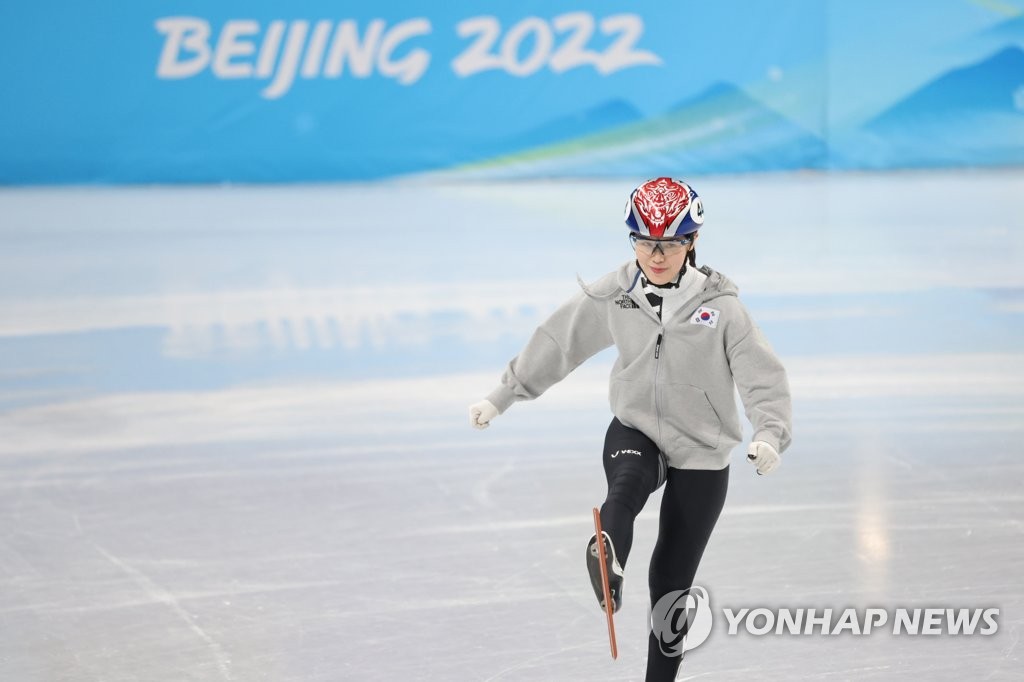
point(625, 302)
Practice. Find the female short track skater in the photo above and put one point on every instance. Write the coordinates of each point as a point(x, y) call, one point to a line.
point(684, 341)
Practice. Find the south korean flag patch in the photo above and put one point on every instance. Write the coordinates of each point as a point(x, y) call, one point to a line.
point(705, 316)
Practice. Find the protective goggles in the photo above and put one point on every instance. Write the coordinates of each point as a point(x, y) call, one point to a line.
point(668, 246)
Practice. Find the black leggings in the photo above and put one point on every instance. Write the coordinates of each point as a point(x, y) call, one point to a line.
point(690, 507)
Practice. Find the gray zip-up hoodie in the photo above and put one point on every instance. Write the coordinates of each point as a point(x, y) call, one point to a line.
point(674, 379)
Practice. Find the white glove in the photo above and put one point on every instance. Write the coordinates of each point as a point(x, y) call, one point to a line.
point(481, 414)
point(763, 456)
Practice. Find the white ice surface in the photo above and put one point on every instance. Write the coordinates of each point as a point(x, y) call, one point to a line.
point(234, 442)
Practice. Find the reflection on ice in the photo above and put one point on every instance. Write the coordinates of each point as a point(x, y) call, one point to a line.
point(873, 490)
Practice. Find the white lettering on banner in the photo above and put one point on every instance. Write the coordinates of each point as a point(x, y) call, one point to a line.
point(268, 51)
point(346, 47)
point(479, 56)
point(229, 46)
point(287, 49)
point(622, 55)
point(289, 63)
point(186, 51)
point(574, 53)
point(183, 34)
point(543, 40)
point(412, 67)
point(315, 51)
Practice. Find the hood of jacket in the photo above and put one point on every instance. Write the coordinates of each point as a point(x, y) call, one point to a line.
point(627, 276)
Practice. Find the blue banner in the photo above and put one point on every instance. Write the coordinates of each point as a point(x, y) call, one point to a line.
point(179, 91)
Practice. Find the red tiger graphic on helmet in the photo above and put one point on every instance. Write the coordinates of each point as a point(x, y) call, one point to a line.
point(660, 208)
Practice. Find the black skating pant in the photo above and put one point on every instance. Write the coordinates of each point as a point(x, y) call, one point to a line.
point(690, 506)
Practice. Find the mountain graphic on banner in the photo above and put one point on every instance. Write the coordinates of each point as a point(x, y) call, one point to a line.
point(971, 112)
point(720, 130)
point(988, 86)
point(1011, 30)
point(605, 116)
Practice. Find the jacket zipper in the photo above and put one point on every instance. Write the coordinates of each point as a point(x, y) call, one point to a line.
point(657, 357)
point(657, 368)
point(657, 345)
point(657, 350)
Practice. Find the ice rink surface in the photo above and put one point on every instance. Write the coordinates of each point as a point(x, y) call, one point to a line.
point(234, 441)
